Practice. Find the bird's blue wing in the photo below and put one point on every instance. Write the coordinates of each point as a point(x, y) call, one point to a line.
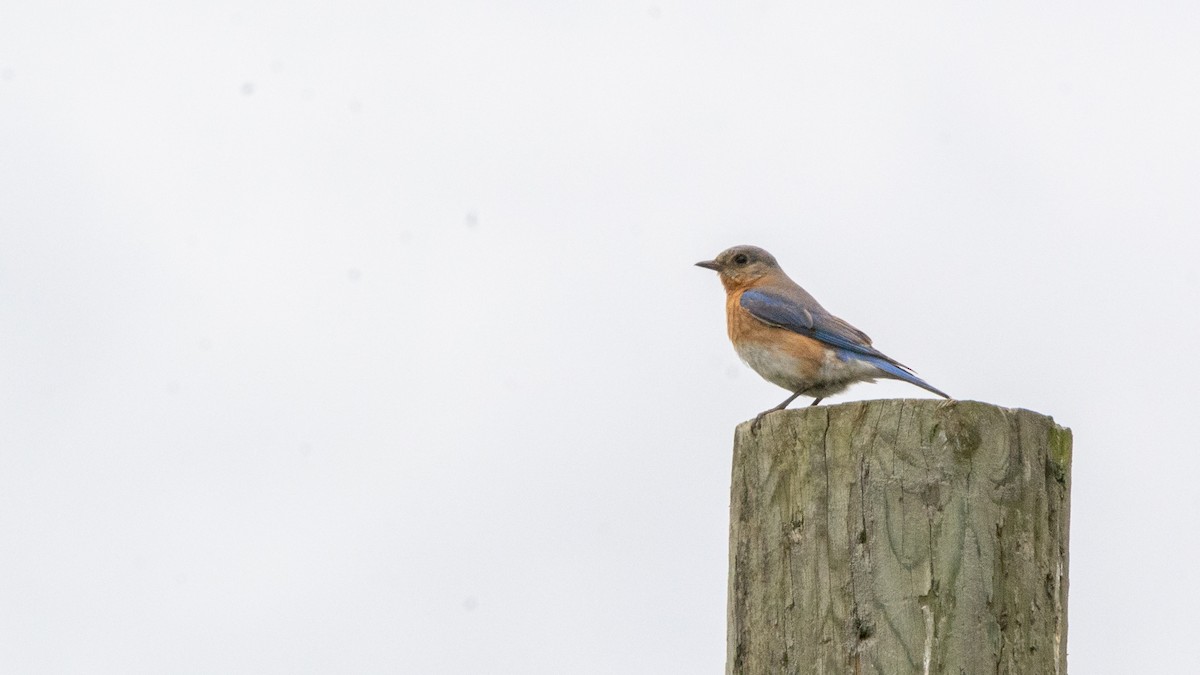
point(780, 310)
point(814, 322)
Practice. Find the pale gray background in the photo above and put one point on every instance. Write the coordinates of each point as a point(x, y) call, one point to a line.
point(364, 337)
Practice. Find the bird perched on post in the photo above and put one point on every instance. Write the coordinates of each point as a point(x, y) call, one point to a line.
point(789, 339)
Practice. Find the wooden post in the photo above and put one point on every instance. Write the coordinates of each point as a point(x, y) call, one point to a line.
point(899, 536)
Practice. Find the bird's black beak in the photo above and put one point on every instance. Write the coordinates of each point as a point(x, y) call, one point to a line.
point(709, 264)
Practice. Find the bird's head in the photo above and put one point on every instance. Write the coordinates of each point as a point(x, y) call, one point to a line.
point(741, 266)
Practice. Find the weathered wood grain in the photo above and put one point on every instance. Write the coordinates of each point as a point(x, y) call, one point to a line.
point(899, 536)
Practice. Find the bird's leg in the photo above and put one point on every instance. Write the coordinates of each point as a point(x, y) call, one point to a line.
point(816, 401)
point(786, 401)
point(758, 419)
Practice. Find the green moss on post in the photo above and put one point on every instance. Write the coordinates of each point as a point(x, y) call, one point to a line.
point(899, 536)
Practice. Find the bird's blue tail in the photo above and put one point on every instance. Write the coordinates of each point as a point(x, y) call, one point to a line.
point(898, 372)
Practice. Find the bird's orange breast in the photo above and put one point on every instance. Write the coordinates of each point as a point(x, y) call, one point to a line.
point(779, 355)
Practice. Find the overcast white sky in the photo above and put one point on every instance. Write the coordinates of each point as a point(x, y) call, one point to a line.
point(365, 337)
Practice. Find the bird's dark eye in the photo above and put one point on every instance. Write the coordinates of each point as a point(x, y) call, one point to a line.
point(741, 259)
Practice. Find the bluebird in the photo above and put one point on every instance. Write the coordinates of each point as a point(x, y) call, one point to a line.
point(789, 339)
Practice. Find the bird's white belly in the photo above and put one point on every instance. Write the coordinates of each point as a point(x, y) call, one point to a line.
point(774, 365)
point(829, 376)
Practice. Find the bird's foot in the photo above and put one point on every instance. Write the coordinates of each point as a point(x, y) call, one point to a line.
point(758, 419)
point(754, 427)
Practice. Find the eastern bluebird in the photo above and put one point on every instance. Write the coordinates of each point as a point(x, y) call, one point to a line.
point(789, 339)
